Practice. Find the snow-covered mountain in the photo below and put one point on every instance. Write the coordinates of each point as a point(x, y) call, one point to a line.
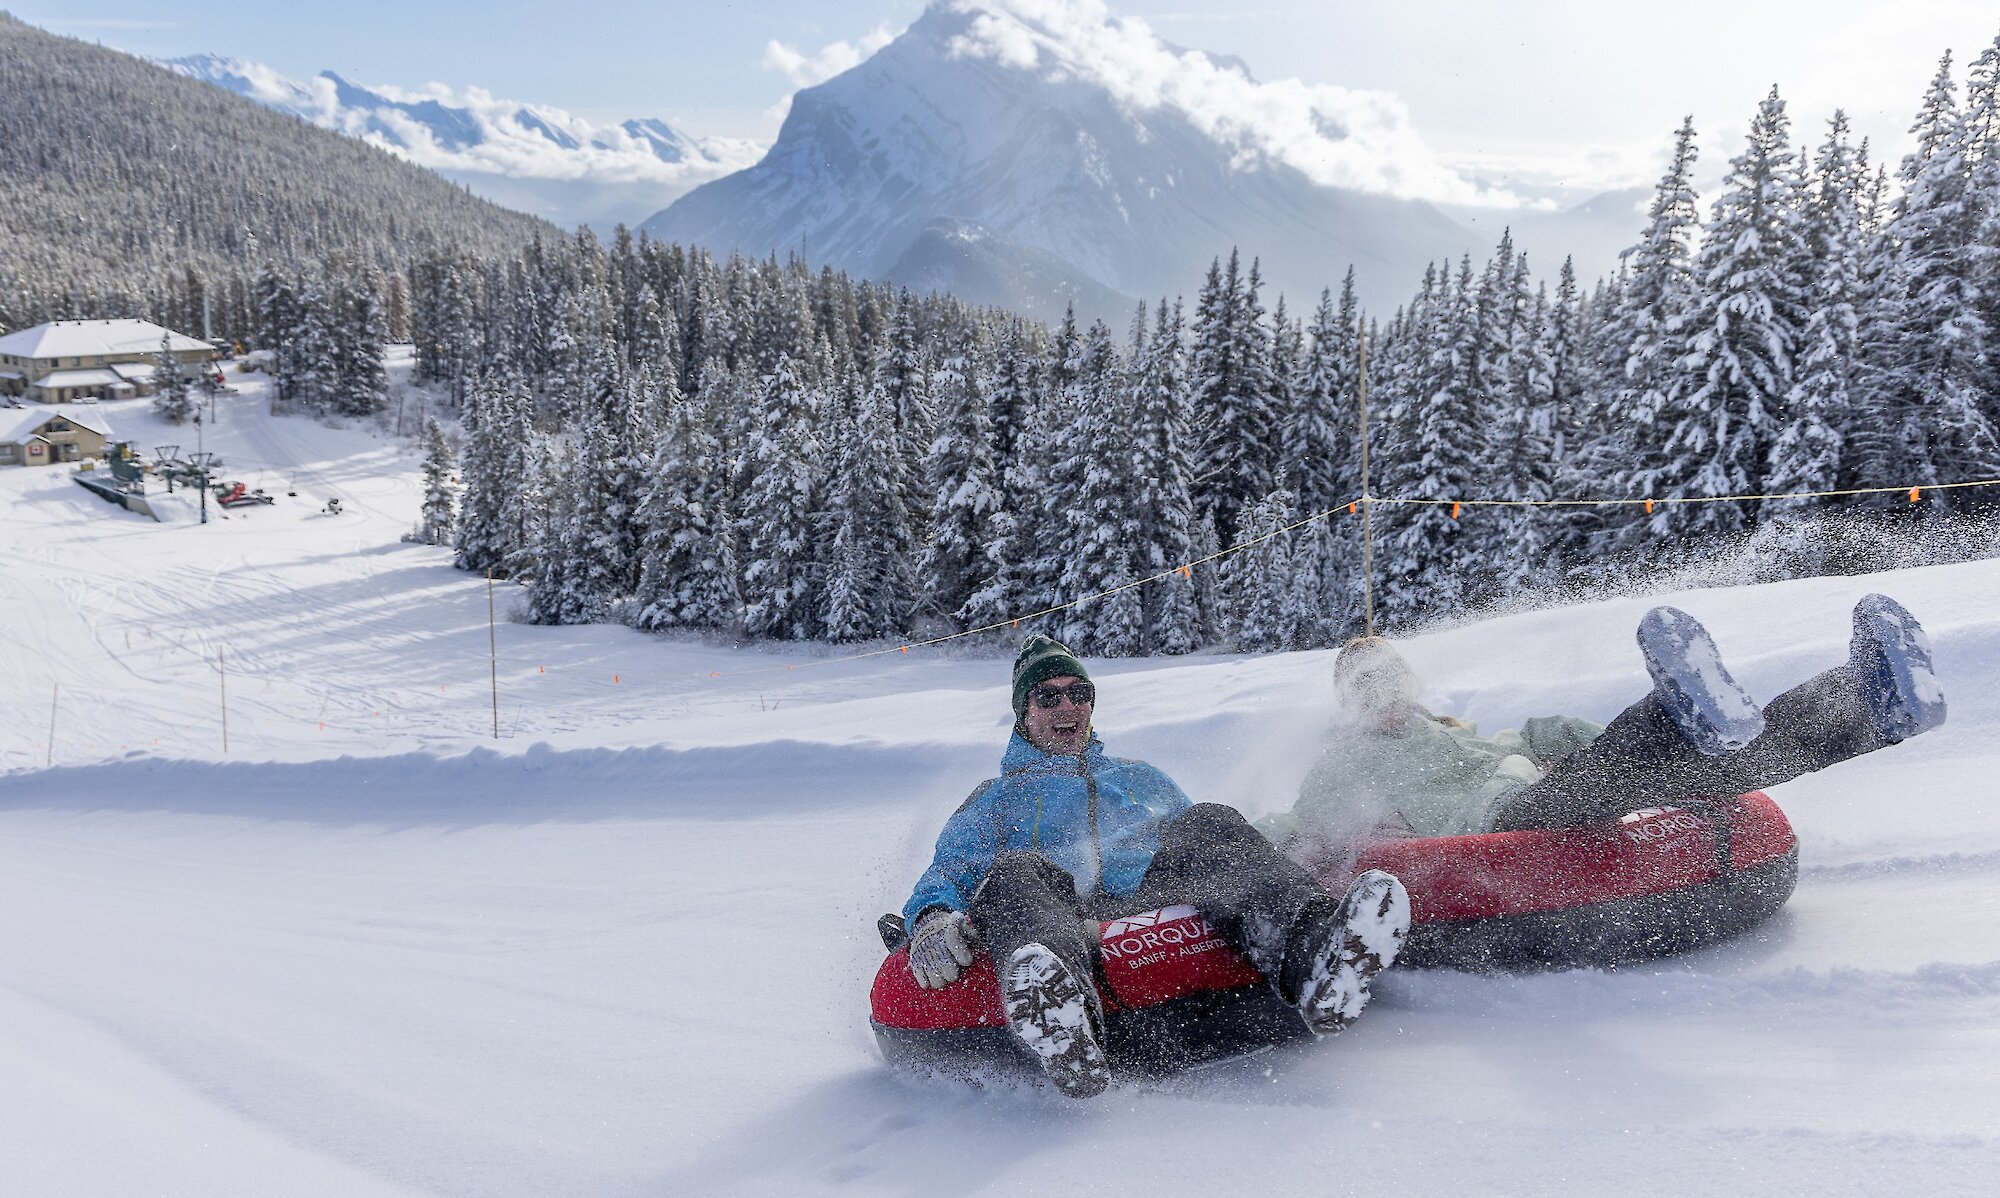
point(529, 157)
point(1060, 136)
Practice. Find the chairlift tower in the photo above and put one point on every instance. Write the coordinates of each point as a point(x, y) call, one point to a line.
point(200, 460)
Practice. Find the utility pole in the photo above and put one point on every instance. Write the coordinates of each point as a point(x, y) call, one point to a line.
point(1367, 500)
point(493, 652)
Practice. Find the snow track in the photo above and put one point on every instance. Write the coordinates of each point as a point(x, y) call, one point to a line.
point(625, 949)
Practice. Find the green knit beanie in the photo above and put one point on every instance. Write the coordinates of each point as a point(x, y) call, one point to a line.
point(1041, 659)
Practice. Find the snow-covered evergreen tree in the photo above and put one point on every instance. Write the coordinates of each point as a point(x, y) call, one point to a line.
point(958, 560)
point(1807, 453)
point(1232, 385)
point(1258, 580)
point(1932, 369)
point(689, 577)
point(780, 589)
point(1648, 332)
point(868, 591)
point(1745, 330)
point(172, 401)
point(436, 521)
point(1162, 497)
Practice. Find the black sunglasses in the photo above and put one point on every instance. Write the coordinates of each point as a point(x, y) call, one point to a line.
point(1081, 694)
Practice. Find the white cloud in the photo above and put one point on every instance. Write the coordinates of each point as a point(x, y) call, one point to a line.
point(1336, 136)
point(805, 70)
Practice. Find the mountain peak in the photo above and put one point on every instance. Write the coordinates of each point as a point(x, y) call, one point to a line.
point(1078, 143)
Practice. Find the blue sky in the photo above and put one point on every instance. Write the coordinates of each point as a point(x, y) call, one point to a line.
point(1599, 87)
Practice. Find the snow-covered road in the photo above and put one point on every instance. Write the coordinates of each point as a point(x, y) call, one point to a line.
point(625, 948)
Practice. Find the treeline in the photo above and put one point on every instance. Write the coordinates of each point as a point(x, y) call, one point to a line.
point(749, 448)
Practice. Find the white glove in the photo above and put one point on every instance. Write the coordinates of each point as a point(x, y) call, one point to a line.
point(940, 948)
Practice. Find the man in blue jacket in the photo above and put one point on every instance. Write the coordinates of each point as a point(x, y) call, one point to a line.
point(1066, 836)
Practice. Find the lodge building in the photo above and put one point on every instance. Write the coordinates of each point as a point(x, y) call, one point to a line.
point(69, 361)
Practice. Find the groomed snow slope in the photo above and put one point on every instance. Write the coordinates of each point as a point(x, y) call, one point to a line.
point(625, 947)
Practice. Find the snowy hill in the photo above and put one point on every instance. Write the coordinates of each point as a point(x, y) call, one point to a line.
point(1059, 135)
point(530, 157)
point(625, 947)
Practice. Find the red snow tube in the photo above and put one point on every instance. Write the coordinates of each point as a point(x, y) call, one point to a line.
point(1657, 882)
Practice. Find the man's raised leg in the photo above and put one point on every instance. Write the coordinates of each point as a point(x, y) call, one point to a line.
point(1036, 930)
point(1320, 951)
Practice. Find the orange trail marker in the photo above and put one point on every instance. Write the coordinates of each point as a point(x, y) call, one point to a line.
point(614, 680)
point(1350, 508)
point(1454, 509)
point(1649, 507)
point(1914, 491)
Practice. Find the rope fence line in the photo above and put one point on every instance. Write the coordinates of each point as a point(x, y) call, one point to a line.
point(1351, 507)
point(1358, 505)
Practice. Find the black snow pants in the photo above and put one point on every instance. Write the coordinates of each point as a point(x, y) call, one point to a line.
point(1209, 857)
point(1642, 760)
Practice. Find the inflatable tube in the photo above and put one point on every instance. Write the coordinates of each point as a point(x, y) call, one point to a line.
point(1175, 995)
point(1657, 882)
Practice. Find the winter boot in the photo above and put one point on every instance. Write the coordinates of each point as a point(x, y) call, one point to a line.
point(1890, 657)
point(1056, 1014)
point(1334, 960)
point(1693, 686)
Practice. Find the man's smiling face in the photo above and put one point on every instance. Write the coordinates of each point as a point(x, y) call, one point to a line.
point(1063, 729)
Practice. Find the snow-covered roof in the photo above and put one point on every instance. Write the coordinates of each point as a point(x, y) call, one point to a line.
point(79, 378)
point(90, 338)
point(18, 424)
point(137, 372)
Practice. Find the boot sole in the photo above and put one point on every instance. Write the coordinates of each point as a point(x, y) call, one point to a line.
point(1701, 697)
point(1891, 655)
point(1375, 921)
point(1049, 1013)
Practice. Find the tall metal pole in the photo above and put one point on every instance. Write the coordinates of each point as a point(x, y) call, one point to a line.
point(493, 652)
point(1367, 500)
point(222, 675)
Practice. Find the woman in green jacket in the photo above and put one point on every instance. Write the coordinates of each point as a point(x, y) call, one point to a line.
point(1394, 767)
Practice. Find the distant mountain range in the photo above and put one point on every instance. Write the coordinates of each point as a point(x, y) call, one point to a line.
point(116, 175)
point(988, 152)
point(529, 157)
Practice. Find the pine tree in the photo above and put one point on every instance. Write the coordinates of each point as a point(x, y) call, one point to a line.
point(1162, 499)
point(957, 561)
point(1745, 332)
point(1259, 581)
point(1807, 453)
point(867, 592)
point(435, 524)
point(1932, 369)
point(491, 474)
point(1427, 561)
point(689, 573)
point(1648, 332)
point(1103, 512)
point(171, 399)
point(1232, 385)
point(779, 584)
